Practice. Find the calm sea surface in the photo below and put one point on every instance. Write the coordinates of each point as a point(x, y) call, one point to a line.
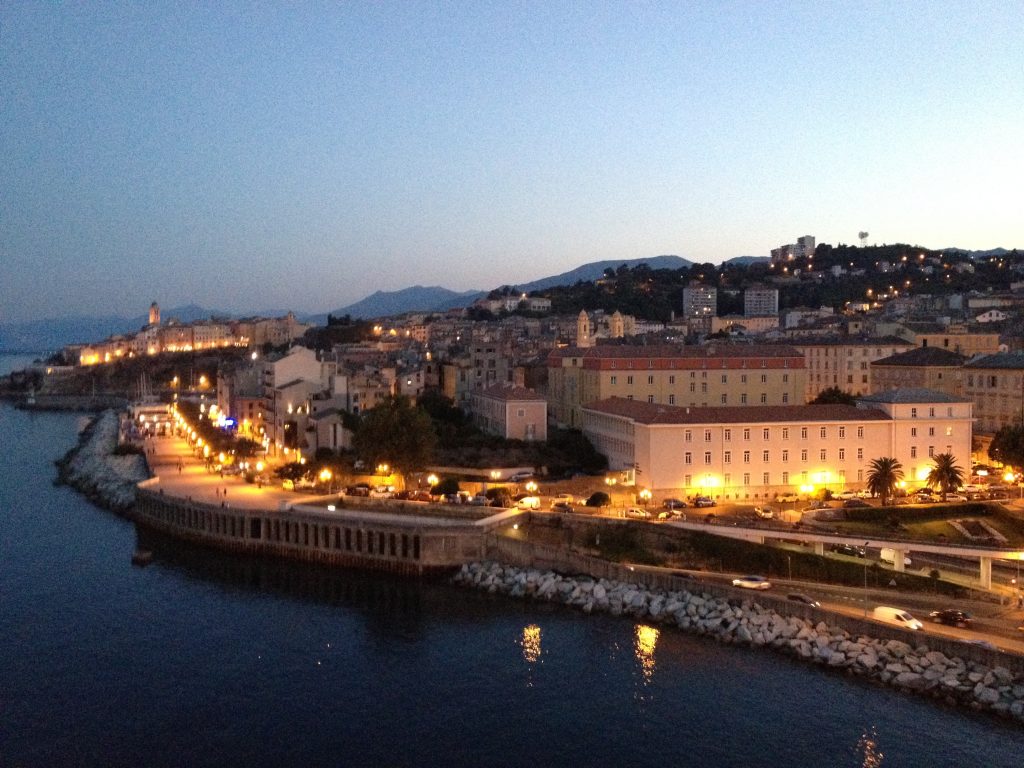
point(200, 659)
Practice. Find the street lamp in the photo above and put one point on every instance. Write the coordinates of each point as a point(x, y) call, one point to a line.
point(531, 487)
point(865, 580)
point(645, 496)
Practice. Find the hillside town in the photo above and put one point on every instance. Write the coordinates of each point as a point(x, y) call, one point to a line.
point(728, 406)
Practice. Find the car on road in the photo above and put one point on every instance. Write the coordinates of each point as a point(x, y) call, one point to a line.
point(638, 513)
point(983, 644)
point(800, 597)
point(897, 617)
point(955, 497)
point(703, 501)
point(954, 617)
point(765, 513)
point(752, 582)
point(519, 477)
point(848, 549)
point(855, 504)
point(673, 504)
point(788, 498)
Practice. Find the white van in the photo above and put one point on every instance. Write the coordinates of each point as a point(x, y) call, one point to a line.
point(897, 617)
point(888, 555)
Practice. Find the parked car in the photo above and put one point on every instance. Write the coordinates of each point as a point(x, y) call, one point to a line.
point(668, 514)
point(800, 597)
point(359, 489)
point(924, 491)
point(673, 504)
point(897, 617)
point(855, 504)
point(703, 501)
point(955, 497)
point(562, 506)
point(844, 495)
point(561, 498)
point(951, 616)
point(864, 493)
point(637, 512)
point(519, 477)
point(788, 498)
point(848, 549)
point(765, 513)
point(752, 582)
point(480, 500)
point(527, 502)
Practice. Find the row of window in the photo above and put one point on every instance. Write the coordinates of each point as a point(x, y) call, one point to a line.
point(723, 399)
point(703, 375)
point(650, 363)
point(766, 433)
point(804, 455)
point(708, 481)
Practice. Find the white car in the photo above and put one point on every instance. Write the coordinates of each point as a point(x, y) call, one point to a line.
point(528, 502)
point(752, 582)
point(955, 497)
point(637, 512)
point(561, 498)
point(788, 498)
point(845, 495)
point(765, 513)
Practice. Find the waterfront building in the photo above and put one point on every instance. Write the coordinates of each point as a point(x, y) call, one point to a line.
point(757, 452)
point(709, 375)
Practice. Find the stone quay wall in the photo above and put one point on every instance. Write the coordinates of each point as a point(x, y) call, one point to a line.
point(910, 662)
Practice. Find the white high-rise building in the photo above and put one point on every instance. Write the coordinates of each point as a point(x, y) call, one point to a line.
point(760, 302)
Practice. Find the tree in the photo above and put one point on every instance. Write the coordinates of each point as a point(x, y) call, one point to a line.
point(945, 474)
point(1007, 446)
point(883, 478)
point(396, 433)
point(833, 396)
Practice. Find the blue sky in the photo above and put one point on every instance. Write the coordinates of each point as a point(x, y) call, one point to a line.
point(269, 156)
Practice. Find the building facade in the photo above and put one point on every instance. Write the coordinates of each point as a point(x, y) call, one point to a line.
point(751, 454)
point(515, 413)
point(695, 376)
point(995, 383)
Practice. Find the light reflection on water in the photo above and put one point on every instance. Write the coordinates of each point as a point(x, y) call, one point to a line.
point(217, 660)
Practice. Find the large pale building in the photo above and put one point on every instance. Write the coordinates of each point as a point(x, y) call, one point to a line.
point(700, 304)
point(696, 376)
point(757, 453)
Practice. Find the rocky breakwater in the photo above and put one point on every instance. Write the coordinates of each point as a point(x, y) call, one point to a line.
point(744, 622)
point(95, 469)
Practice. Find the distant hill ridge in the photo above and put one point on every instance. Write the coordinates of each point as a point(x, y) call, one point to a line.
point(54, 333)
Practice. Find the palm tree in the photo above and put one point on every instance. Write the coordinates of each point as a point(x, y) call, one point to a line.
point(945, 474)
point(883, 477)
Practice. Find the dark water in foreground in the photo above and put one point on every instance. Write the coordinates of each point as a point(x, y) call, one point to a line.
point(196, 661)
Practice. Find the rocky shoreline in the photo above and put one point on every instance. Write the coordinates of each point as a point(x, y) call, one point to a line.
point(94, 469)
point(915, 669)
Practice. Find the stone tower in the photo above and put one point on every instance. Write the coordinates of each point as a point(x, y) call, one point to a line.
point(154, 314)
point(617, 325)
point(583, 336)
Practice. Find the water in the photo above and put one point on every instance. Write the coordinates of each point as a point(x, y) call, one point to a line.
point(200, 659)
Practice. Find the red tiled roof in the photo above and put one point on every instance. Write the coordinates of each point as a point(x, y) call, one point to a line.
point(509, 392)
point(654, 413)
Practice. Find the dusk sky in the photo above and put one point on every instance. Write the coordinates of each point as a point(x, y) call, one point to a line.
point(260, 156)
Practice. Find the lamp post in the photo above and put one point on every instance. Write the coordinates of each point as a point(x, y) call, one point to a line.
point(865, 580)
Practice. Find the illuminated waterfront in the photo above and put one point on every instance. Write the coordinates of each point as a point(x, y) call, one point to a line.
point(201, 659)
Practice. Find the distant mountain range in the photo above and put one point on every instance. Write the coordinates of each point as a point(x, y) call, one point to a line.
point(52, 334)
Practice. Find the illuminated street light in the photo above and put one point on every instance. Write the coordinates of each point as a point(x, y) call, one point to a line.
point(531, 487)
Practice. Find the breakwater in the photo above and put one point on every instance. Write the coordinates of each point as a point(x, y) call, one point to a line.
point(94, 469)
point(908, 664)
